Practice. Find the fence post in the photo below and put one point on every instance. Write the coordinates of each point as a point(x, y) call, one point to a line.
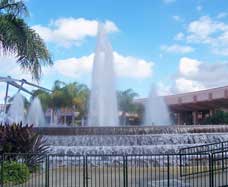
point(124, 172)
point(211, 170)
point(168, 170)
point(180, 156)
point(125, 175)
point(223, 157)
point(47, 171)
point(85, 171)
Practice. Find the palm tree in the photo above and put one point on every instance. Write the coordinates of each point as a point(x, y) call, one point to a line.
point(17, 38)
point(126, 103)
point(80, 99)
point(76, 96)
point(73, 95)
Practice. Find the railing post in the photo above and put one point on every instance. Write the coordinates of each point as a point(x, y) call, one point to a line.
point(180, 156)
point(85, 171)
point(211, 169)
point(47, 171)
point(125, 171)
point(168, 171)
point(223, 157)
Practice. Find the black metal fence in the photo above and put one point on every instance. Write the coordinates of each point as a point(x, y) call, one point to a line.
point(196, 169)
point(205, 148)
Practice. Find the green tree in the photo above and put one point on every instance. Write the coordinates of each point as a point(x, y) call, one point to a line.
point(219, 117)
point(126, 104)
point(73, 95)
point(81, 98)
point(17, 38)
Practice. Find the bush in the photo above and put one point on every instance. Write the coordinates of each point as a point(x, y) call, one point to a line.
point(15, 172)
point(219, 117)
point(17, 138)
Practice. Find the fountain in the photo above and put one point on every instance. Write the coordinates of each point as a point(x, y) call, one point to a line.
point(103, 102)
point(156, 110)
point(104, 136)
point(35, 113)
point(16, 111)
point(129, 144)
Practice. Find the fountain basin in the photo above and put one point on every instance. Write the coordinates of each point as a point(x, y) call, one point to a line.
point(129, 140)
point(129, 130)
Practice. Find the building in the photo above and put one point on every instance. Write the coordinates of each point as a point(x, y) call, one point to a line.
point(63, 116)
point(194, 107)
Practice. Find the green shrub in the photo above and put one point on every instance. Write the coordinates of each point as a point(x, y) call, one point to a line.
point(15, 172)
point(17, 138)
point(219, 117)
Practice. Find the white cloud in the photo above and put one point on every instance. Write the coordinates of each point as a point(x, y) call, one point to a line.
point(196, 75)
point(188, 66)
point(74, 67)
point(201, 30)
point(222, 51)
point(185, 85)
point(10, 67)
point(126, 66)
point(179, 36)
point(222, 15)
point(71, 31)
point(163, 89)
point(209, 32)
point(177, 49)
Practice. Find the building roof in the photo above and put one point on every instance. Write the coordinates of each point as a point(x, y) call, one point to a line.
point(199, 100)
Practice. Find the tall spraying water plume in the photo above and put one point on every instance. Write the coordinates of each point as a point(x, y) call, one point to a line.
point(35, 113)
point(16, 111)
point(156, 110)
point(103, 101)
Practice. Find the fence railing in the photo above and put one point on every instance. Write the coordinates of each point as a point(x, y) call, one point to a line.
point(205, 148)
point(202, 169)
point(212, 148)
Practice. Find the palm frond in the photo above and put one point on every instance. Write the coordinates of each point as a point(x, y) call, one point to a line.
point(17, 38)
point(15, 8)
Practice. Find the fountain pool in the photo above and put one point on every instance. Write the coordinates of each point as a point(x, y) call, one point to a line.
point(129, 140)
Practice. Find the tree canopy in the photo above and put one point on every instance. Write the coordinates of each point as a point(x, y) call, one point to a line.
point(72, 95)
point(18, 39)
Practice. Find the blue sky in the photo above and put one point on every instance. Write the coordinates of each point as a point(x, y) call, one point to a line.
point(182, 45)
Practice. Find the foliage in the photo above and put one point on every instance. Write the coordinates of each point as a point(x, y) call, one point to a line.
point(15, 172)
point(219, 117)
point(72, 95)
point(19, 139)
point(126, 104)
point(16, 8)
point(140, 110)
point(76, 96)
point(125, 100)
point(17, 38)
